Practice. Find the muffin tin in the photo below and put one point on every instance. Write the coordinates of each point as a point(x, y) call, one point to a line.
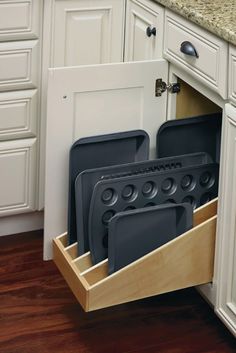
point(195, 184)
point(86, 181)
point(101, 151)
point(133, 234)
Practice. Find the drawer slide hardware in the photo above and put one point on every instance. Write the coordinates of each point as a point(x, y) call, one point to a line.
point(162, 86)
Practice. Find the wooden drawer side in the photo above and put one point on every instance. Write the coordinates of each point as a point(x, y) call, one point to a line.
point(71, 274)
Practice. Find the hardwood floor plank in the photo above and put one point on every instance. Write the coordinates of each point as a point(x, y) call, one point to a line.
point(39, 314)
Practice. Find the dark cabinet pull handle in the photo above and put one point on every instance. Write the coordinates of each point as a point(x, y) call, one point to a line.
point(189, 49)
point(151, 31)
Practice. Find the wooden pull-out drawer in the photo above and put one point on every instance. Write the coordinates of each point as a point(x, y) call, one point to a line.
point(183, 262)
point(211, 60)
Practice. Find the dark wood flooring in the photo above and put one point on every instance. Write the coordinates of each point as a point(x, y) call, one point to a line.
point(39, 314)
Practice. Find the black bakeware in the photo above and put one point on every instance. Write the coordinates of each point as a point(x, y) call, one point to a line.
point(196, 185)
point(133, 234)
point(197, 134)
point(101, 151)
point(86, 181)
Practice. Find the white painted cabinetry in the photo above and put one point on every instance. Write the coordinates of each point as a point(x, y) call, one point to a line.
point(20, 19)
point(226, 240)
point(18, 176)
point(144, 30)
point(20, 77)
point(78, 32)
point(232, 74)
point(87, 32)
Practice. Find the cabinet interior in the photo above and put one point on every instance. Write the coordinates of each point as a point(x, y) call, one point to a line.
point(190, 102)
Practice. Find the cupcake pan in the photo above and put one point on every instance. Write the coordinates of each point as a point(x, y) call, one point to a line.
point(133, 234)
point(101, 151)
point(86, 181)
point(197, 134)
point(196, 185)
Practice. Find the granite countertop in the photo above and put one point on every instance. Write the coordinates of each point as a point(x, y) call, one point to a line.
point(218, 16)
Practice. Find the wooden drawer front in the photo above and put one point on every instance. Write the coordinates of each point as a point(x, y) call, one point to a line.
point(17, 177)
point(232, 74)
point(19, 63)
point(19, 19)
point(186, 261)
point(18, 114)
point(211, 65)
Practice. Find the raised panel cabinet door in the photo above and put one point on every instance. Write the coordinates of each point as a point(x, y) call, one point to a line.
point(144, 30)
point(18, 114)
point(89, 101)
point(87, 32)
point(19, 65)
point(17, 177)
point(226, 239)
point(20, 19)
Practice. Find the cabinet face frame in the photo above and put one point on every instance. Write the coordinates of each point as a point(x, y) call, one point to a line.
point(226, 237)
point(232, 74)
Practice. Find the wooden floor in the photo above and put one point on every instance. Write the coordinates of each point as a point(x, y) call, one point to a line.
point(38, 314)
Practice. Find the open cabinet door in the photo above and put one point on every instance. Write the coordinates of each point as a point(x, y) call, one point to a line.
point(94, 100)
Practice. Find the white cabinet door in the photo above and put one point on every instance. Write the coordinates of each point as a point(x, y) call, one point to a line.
point(87, 32)
point(93, 100)
point(226, 239)
point(17, 177)
point(140, 18)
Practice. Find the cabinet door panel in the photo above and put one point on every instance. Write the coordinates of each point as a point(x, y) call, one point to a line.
point(138, 18)
point(87, 32)
point(19, 64)
point(19, 19)
point(17, 178)
point(226, 241)
point(18, 114)
point(94, 100)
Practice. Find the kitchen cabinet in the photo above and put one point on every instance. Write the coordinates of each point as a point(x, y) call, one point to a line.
point(81, 32)
point(20, 80)
point(144, 30)
point(19, 20)
point(87, 32)
point(69, 94)
point(18, 176)
point(198, 52)
point(122, 82)
point(226, 242)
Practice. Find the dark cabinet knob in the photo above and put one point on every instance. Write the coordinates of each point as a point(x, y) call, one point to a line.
point(189, 49)
point(151, 31)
